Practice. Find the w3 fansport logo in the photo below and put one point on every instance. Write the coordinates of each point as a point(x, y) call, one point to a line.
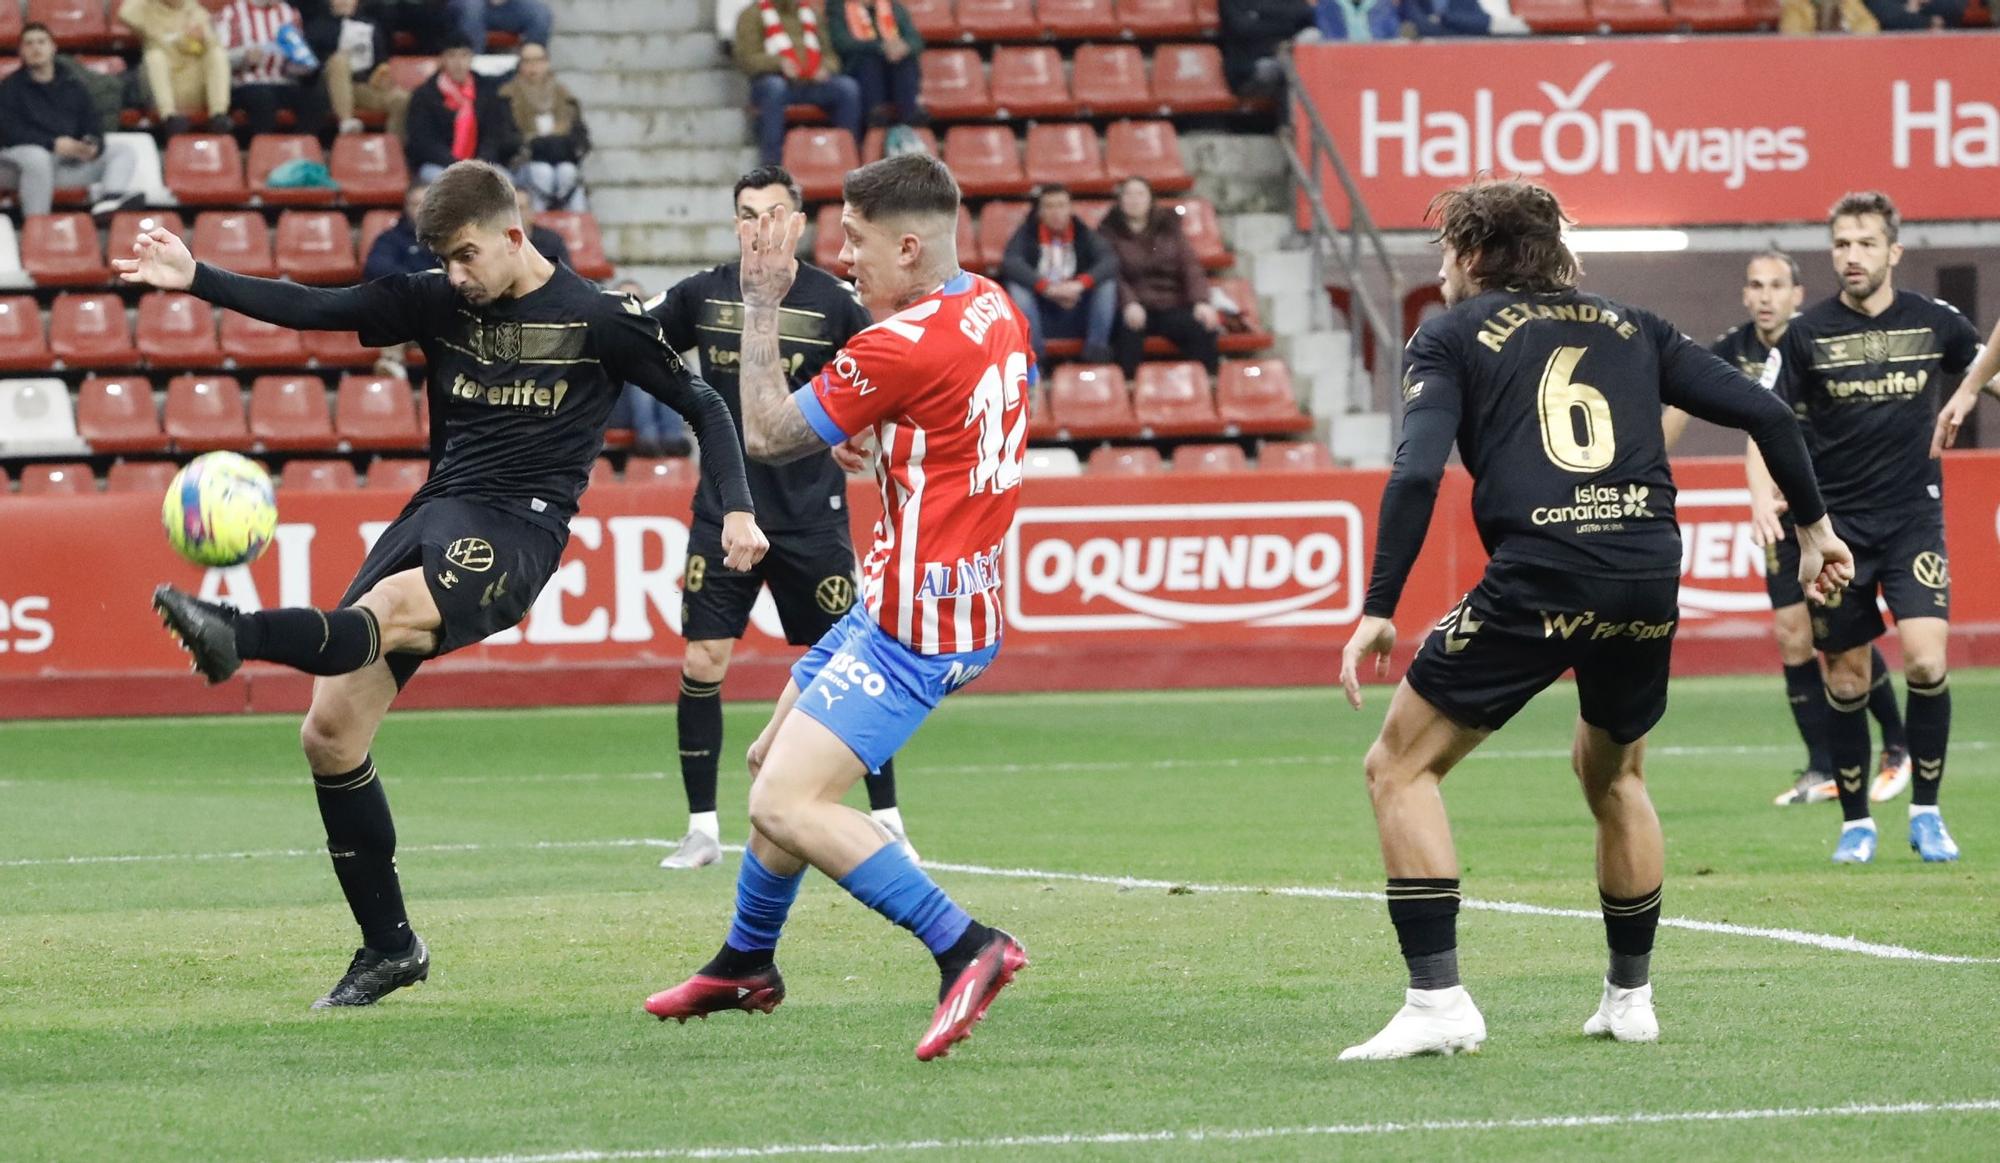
point(1161, 567)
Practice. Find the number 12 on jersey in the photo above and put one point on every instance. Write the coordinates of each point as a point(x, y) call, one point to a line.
point(999, 465)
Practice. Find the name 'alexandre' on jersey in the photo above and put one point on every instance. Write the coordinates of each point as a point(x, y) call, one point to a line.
point(1502, 324)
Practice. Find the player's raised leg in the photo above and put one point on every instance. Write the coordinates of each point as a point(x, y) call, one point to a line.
point(1924, 641)
point(1631, 866)
point(398, 614)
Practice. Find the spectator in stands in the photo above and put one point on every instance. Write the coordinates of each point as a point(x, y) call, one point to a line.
point(427, 22)
point(1357, 20)
point(878, 46)
point(778, 47)
point(186, 68)
point(1253, 33)
point(1799, 17)
point(657, 430)
point(1910, 15)
point(458, 114)
point(397, 251)
point(548, 242)
point(49, 135)
point(1063, 277)
point(554, 137)
point(356, 51)
point(1161, 284)
point(272, 66)
point(527, 19)
point(1428, 18)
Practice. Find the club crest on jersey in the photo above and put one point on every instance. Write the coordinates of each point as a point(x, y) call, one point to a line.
point(1874, 346)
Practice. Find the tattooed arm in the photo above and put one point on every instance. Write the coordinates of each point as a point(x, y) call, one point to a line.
point(774, 429)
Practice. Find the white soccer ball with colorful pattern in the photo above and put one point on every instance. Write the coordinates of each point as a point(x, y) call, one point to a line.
point(220, 510)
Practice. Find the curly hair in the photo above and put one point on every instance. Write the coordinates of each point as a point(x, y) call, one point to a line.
point(1512, 231)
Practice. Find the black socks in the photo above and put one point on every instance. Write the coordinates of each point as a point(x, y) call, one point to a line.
point(1806, 691)
point(1882, 704)
point(322, 642)
point(1629, 926)
point(362, 840)
point(698, 720)
point(734, 962)
point(1425, 913)
point(1847, 744)
point(882, 787)
point(1930, 730)
point(953, 961)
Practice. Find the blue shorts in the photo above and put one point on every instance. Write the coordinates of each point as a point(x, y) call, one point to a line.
point(873, 691)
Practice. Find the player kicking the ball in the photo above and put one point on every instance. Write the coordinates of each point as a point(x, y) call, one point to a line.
point(942, 382)
point(1553, 397)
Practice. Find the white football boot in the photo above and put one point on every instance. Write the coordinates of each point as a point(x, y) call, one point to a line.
point(1432, 1021)
point(1625, 1015)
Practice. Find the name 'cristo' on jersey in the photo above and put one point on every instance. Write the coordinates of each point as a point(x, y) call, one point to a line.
point(944, 383)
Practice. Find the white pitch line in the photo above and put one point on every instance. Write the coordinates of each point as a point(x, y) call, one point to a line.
point(1195, 1135)
point(276, 853)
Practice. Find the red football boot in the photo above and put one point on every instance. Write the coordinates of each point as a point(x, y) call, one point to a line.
point(702, 995)
point(965, 1003)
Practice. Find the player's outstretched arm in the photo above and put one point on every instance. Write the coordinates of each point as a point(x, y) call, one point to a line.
point(162, 260)
point(1960, 403)
point(774, 429)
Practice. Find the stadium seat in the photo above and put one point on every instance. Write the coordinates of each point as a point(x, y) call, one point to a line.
point(986, 159)
point(1256, 396)
point(1174, 399)
point(398, 474)
point(319, 476)
point(677, 471)
point(248, 342)
point(127, 225)
point(177, 330)
point(1209, 13)
point(586, 245)
point(370, 169)
point(57, 480)
point(997, 223)
point(1028, 81)
point(373, 225)
point(873, 145)
point(205, 169)
point(1068, 153)
point(77, 25)
point(935, 20)
point(1124, 460)
point(89, 331)
point(1210, 458)
point(971, 256)
point(1149, 150)
point(288, 413)
point(235, 240)
point(1093, 211)
point(1111, 80)
point(1187, 78)
point(819, 159)
point(1079, 19)
point(22, 347)
point(1717, 15)
point(1242, 331)
point(118, 414)
point(1091, 402)
point(10, 36)
point(1557, 16)
point(60, 250)
point(37, 419)
point(336, 349)
point(1203, 232)
point(408, 72)
point(141, 476)
point(1159, 19)
point(1050, 462)
point(1633, 15)
point(268, 151)
point(990, 20)
point(1293, 456)
point(601, 473)
point(377, 412)
point(206, 412)
point(954, 84)
point(317, 247)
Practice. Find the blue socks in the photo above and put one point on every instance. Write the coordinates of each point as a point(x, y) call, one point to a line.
point(891, 884)
point(763, 900)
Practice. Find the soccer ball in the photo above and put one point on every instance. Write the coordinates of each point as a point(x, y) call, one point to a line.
point(220, 510)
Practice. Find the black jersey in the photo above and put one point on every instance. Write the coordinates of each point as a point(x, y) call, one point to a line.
point(520, 389)
point(1554, 403)
point(1868, 389)
point(819, 315)
point(1741, 348)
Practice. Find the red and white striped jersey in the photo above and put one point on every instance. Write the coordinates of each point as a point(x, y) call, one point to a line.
point(242, 24)
point(945, 384)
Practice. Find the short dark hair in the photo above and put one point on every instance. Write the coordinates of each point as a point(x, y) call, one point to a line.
point(910, 183)
point(1514, 227)
point(1856, 203)
point(1047, 188)
point(1776, 255)
point(764, 176)
point(469, 192)
point(37, 26)
point(454, 40)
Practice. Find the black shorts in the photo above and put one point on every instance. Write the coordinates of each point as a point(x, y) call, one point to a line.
point(1781, 570)
point(484, 567)
point(810, 572)
point(1901, 558)
point(1523, 626)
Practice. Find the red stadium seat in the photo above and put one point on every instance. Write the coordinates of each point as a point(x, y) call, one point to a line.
point(248, 342)
point(1028, 81)
point(1111, 80)
point(90, 331)
point(205, 169)
point(1716, 15)
point(76, 24)
point(1067, 153)
point(206, 412)
point(579, 234)
point(986, 159)
point(1079, 19)
point(872, 145)
point(997, 223)
point(1242, 332)
point(22, 347)
point(373, 225)
point(1203, 232)
point(819, 159)
point(677, 471)
point(1256, 396)
point(141, 476)
point(1173, 399)
point(177, 330)
point(319, 476)
point(370, 169)
point(288, 413)
point(127, 225)
point(1124, 460)
point(397, 474)
point(1093, 211)
point(317, 247)
point(601, 473)
point(1209, 12)
point(1159, 19)
point(336, 349)
point(989, 20)
point(1293, 456)
point(954, 84)
point(1633, 15)
point(57, 480)
point(1547, 16)
point(117, 414)
point(1210, 458)
point(268, 151)
point(60, 250)
point(1149, 150)
point(408, 72)
point(10, 35)
point(235, 240)
point(1089, 403)
point(1187, 78)
point(971, 256)
point(377, 412)
point(935, 20)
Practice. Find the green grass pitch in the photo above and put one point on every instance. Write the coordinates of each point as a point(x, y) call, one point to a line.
point(156, 1008)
